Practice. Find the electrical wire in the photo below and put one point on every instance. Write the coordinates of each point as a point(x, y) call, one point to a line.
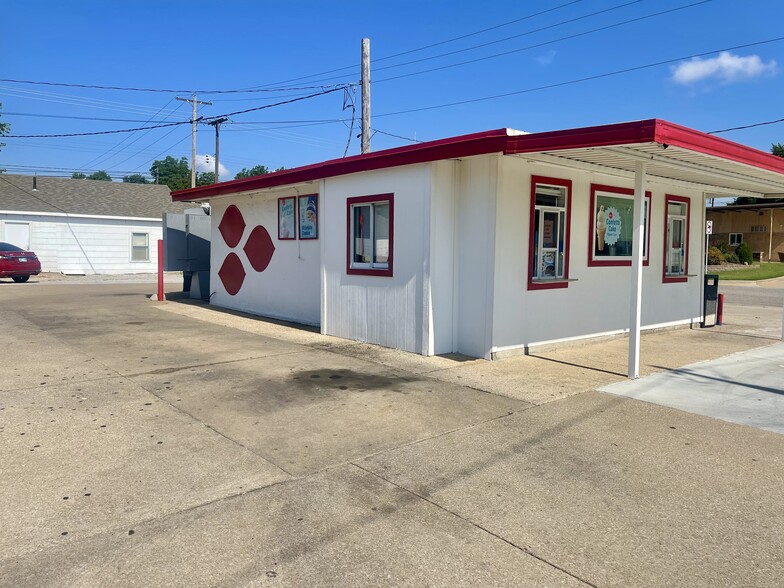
point(580, 80)
point(160, 126)
point(396, 136)
point(160, 90)
point(526, 48)
point(444, 42)
point(751, 126)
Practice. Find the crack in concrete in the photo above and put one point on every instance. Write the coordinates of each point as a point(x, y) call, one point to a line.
point(527, 550)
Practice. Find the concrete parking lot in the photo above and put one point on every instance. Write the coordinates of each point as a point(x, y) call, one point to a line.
point(171, 444)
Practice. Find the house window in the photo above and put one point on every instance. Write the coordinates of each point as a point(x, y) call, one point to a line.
point(736, 239)
point(612, 226)
point(370, 235)
point(140, 247)
point(548, 263)
point(676, 242)
point(759, 229)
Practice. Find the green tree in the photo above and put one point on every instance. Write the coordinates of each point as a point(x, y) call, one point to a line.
point(175, 173)
point(78, 176)
point(100, 175)
point(205, 178)
point(743, 251)
point(777, 149)
point(135, 179)
point(257, 170)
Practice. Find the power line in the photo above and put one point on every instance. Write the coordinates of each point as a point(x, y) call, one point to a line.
point(507, 23)
point(160, 126)
point(579, 80)
point(396, 136)
point(751, 126)
point(161, 90)
point(531, 32)
point(91, 118)
point(528, 47)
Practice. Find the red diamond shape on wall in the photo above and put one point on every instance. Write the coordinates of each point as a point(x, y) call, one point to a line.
point(232, 226)
point(232, 274)
point(259, 248)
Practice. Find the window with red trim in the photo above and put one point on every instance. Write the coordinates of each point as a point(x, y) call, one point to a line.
point(676, 239)
point(548, 261)
point(611, 228)
point(370, 224)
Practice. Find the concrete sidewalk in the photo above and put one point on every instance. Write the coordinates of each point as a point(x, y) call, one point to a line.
point(169, 444)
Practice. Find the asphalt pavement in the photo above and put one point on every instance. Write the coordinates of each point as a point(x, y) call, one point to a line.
point(173, 444)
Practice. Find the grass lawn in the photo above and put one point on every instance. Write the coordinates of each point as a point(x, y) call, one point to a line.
point(765, 271)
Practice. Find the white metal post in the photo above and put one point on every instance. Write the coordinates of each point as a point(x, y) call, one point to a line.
point(635, 298)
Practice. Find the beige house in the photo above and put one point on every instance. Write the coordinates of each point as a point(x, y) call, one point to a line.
point(759, 225)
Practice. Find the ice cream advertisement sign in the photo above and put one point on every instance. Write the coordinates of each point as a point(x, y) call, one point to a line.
point(613, 225)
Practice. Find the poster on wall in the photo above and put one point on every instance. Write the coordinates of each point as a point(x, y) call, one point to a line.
point(612, 226)
point(308, 216)
point(286, 218)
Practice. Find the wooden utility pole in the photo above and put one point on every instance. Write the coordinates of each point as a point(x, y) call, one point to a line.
point(365, 96)
point(217, 123)
point(193, 134)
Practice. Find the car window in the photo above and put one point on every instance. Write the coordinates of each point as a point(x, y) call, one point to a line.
point(9, 247)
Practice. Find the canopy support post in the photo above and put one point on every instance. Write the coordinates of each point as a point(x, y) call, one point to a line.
point(635, 298)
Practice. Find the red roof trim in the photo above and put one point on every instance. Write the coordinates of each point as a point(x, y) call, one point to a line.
point(499, 141)
point(461, 146)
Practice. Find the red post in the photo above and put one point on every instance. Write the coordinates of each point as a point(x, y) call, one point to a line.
point(160, 270)
point(720, 309)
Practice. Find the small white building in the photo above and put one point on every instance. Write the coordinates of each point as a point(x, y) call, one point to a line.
point(486, 244)
point(85, 226)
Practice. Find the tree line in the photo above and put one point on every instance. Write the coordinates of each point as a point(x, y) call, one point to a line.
point(174, 173)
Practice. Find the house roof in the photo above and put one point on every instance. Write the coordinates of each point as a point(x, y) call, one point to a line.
point(669, 152)
point(84, 197)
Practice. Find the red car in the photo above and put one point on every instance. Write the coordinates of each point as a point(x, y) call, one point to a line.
point(18, 264)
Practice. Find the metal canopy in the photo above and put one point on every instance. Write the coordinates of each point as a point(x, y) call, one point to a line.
point(706, 172)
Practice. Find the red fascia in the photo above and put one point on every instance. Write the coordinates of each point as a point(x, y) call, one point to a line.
point(463, 146)
point(668, 133)
point(643, 131)
point(498, 141)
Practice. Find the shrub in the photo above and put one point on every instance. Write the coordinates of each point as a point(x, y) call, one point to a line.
point(731, 258)
point(723, 247)
point(715, 256)
point(743, 251)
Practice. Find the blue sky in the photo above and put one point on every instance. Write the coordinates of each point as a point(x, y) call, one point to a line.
point(287, 46)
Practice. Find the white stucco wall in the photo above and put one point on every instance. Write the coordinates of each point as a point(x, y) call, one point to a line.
point(289, 288)
point(598, 301)
point(389, 311)
point(84, 245)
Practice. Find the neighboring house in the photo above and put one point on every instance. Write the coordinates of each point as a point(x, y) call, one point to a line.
point(487, 244)
point(760, 225)
point(85, 226)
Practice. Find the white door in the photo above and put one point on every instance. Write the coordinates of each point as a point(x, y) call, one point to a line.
point(17, 234)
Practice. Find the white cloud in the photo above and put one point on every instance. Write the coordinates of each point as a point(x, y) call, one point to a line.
point(206, 163)
point(546, 58)
point(726, 68)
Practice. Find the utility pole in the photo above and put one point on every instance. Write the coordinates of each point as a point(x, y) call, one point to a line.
point(217, 123)
point(365, 96)
point(193, 134)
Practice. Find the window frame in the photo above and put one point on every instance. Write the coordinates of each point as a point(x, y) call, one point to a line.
point(146, 248)
point(731, 244)
point(363, 270)
point(627, 194)
point(291, 217)
point(668, 278)
point(562, 282)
